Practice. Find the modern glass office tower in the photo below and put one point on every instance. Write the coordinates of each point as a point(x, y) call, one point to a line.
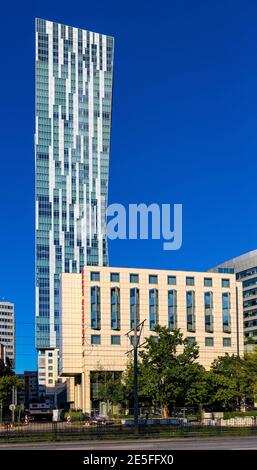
point(74, 75)
point(245, 268)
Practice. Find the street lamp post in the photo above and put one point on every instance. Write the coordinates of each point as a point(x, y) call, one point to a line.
point(137, 330)
point(135, 382)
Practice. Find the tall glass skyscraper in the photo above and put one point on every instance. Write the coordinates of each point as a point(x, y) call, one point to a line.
point(74, 75)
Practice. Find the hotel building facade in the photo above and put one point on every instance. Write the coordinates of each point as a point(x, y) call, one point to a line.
point(100, 306)
point(74, 74)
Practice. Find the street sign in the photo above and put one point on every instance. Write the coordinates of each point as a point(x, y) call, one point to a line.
point(14, 395)
point(56, 416)
point(12, 407)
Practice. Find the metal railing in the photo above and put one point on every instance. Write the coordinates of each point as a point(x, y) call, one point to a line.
point(117, 430)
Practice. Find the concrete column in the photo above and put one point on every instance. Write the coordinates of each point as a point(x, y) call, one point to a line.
point(78, 396)
point(70, 390)
point(83, 391)
point(86, 391)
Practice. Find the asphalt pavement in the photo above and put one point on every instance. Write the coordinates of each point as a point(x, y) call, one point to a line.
point(203, 443)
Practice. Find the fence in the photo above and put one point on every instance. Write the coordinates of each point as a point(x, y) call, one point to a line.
point(53, 431)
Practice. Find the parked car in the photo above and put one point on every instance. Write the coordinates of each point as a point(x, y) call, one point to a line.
point(103, 420)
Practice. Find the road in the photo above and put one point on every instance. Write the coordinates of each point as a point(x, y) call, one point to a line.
point(204, 443)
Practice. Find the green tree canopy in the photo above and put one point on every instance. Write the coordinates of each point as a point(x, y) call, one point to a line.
point(112, 389)
point(169, 375)
point(6, 384)
point(5, 368)
point(168, 369)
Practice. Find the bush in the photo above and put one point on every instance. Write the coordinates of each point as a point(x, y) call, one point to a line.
point(239, 414)
point(75, 415)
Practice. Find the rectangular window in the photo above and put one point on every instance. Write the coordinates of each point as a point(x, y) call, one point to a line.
point(251, 282)
point(134, 278)
point(153, 309)
point(115, 277)
point(191, 339)
point(134, 307)
point(190, 281)
point(226, 312)
point(95, 276)
point(50, 354)
point(50, 361)
point(172, 309)
point(115, 308)
point(209, 342)
point(172, 280)
point(115, 339)
point(50, 381)
point(208, 306)
point(225, 282)
point(153, 279)
point(95, 308)
point(226, 270)
point(207, 282)
point(226, 342)
point(50, 368)
point(95, 339)
point(190, 304)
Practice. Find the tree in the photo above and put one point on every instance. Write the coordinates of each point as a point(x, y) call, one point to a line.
point(222, 392)
point(111, 389)
point(6, 384)
point(5, 368)
point(250, 376)
point(249, 340)
point(195, 385)
point(227, 382)
point(168, 369)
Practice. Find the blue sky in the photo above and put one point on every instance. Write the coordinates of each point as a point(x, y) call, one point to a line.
point(184, 131)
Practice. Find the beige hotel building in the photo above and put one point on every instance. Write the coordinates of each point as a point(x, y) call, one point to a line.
point(100, 305)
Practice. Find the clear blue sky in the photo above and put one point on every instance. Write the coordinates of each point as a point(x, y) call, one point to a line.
point(184, 130)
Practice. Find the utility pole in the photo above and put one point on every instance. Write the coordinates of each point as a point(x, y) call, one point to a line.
point(14, 402)
point(137, 330)
point(135, 346)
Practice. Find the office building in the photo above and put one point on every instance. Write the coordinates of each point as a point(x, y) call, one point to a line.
point(74, 70)
point(47, 371)
point(245, 268)
point(100, 305)
point(7, 331)
point(29, 392)
point(2, 353)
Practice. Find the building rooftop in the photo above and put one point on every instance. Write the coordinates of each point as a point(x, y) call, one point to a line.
point(240, 263)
